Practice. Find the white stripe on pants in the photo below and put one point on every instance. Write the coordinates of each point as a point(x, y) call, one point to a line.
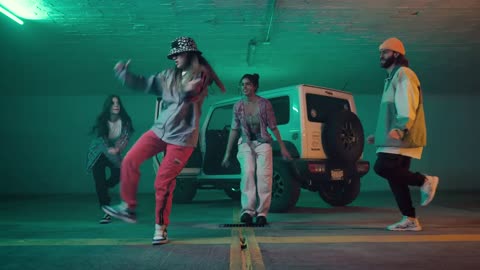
point(250, 156)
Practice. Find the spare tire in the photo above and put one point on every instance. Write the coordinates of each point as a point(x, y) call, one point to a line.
point(340, 193)
point(342, 137)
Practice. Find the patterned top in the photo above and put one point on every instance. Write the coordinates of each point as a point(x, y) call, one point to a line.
point(100, 146)
point(266, 117)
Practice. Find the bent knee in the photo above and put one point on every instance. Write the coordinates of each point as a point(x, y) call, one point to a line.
point(131, 162)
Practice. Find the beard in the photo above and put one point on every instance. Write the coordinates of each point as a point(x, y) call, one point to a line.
point(388, 62)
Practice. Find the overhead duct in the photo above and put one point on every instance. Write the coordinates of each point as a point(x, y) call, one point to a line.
point(252, 47)
point(252, 44)
point(272, 7)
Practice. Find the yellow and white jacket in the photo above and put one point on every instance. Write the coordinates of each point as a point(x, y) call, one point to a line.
point(398, 110)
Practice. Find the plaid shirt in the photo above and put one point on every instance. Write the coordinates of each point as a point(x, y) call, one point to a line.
point(267, 119)
point(100, 146)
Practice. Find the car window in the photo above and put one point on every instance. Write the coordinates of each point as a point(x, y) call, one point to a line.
point(318, 107)
point(281, 107)
point(221, 118)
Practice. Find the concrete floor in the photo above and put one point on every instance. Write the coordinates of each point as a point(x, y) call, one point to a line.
point(62, 232)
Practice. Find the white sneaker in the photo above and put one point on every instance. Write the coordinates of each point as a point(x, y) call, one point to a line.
point(428, 189)
point(120, 211)
point(406, 225)
point(160, 236)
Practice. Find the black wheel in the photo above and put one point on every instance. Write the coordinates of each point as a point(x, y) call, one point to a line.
point(234, 194)
point(343, 137)
point(285, 189)
point(340, 193)
point(185, 190)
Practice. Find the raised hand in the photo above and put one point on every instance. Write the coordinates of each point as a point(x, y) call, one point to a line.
point(119, 66)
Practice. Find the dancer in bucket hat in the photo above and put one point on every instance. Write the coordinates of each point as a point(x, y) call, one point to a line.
point(175, 132)
point(401, 134)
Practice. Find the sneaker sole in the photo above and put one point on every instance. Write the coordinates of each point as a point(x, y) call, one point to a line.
point(405, 230)
point(159, 242)
point(432, 194)
point(115, 215)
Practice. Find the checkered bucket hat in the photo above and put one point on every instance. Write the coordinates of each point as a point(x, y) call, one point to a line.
point(182, 44)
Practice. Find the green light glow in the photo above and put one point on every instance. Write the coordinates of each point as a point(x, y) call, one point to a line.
point(26, 9)
point(11, 16)
point(295, 108)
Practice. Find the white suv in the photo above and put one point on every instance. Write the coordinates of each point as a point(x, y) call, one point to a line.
point(320, 129)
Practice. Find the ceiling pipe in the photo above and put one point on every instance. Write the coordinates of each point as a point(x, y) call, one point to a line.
point(252, 44)
point(272, 8)
point(252, 47)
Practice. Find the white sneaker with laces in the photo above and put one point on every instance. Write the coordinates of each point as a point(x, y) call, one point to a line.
point(160, 236)
point(120, 211)
point(428, 189)
point(406, 225)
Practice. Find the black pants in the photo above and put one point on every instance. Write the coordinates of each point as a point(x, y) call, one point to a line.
point(101, 183)
point(396, 169)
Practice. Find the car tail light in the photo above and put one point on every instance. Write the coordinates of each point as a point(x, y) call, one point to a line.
point(363, 167)
point(316, 168)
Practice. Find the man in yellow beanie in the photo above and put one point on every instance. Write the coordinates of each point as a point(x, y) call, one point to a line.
point(400, 134)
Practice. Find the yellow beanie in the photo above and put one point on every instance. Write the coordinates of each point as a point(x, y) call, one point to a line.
point(393, 44)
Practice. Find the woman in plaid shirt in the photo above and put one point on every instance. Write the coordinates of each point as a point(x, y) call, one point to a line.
point(113, 129)
point(251, 117)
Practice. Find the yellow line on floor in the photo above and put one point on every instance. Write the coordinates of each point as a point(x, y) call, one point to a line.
point(235, 251)
point(108, 242)
point(255, 252)
point(370, 238)
point(236, 258)
point(252, 240)
point(245, 251)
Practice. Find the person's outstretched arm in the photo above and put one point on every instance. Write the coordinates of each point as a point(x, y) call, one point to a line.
point(150, 85)
point(231, 139)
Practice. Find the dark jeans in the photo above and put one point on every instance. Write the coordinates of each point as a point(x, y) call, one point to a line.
point(101, 183)
point(396, 169)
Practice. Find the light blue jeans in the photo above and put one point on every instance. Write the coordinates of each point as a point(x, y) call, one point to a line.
point(255, 158)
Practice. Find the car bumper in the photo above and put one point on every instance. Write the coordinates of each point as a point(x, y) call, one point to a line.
point(310, 172)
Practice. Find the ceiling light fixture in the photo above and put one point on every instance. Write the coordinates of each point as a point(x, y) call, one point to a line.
point(11, 15)
point(30, 9)
point(252, 46)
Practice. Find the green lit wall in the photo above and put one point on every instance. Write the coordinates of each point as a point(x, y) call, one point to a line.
point(53, 81)
point(44, 141)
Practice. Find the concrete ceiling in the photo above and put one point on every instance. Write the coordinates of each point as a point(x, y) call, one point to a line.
point(68, 47)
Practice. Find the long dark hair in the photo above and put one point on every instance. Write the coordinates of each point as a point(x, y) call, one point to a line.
point(189, 62)
point(100, 129)
point(191, 57)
